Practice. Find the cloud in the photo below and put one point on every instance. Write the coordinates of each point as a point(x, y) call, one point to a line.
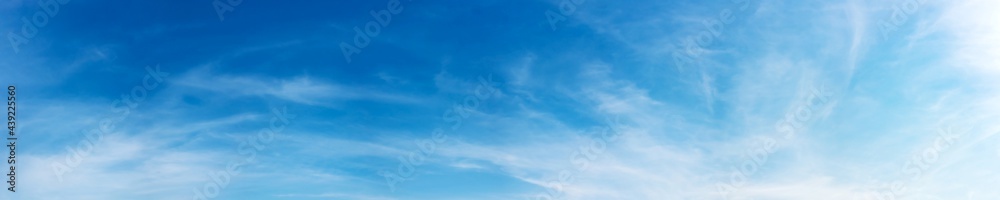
point(300, 89)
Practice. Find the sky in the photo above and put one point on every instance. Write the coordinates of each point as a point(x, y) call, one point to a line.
point(490, 99)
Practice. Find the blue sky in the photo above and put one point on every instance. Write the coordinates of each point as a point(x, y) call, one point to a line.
point(533, 99)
